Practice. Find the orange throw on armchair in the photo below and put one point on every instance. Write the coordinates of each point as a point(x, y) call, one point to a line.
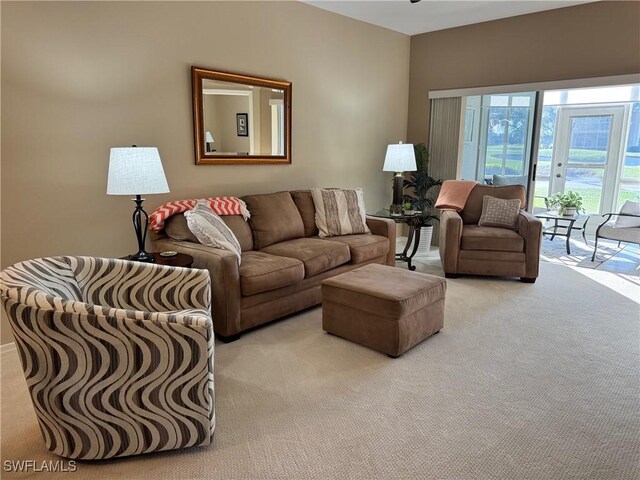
point(454, 193)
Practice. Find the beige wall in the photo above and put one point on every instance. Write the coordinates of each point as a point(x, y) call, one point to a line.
point(228, 106)
point(591, 40)
point(78, 78)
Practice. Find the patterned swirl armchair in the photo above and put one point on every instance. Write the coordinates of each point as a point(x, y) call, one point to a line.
point(118, 355)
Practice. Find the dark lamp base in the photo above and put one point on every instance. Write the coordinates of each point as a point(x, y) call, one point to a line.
point(143, 257)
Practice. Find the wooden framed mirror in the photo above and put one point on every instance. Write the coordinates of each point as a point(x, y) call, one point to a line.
point(239, 119)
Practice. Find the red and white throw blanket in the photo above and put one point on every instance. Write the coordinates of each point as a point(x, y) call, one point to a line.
point(220, 205)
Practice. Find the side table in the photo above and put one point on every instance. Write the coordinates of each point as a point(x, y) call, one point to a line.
point(179, 260)
point(565, 228)
point(414, 234)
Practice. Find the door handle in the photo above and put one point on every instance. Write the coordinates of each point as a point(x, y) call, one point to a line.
point(558, 175)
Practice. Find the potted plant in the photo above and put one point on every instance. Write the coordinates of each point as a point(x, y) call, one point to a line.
point(567, 204)
point(420, 183)
point(407, 208)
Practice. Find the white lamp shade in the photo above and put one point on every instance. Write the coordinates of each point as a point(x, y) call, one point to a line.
point(136, 171)
point(400, 158)
point(208, 137)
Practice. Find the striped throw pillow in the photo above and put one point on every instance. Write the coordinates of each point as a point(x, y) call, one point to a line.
point(339, 211)
point(210, 229)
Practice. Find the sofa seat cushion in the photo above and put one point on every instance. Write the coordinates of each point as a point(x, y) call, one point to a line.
point(365, 246)
point(317, 255)
point(261, 272)
point(475, 237)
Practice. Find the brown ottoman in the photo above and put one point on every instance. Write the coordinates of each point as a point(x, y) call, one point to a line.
point(385, 308)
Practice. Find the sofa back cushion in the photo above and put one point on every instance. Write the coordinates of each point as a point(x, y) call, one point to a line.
point(176, 229)
point(304, 202)
point(473, 208)
point(274, 218)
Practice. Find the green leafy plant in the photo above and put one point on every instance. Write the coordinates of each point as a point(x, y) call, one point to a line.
point(563, 201)
point(419, 184)
point(407, 206)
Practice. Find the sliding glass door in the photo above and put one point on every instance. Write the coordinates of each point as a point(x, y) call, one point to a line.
point(498, 133)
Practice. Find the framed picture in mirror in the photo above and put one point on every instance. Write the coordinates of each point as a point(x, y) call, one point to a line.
point(242, 124)
point(240, 119)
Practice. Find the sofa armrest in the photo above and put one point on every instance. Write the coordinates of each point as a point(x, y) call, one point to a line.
point(225, 281)
point(530, 228)
point(449, 241)
point(386, 228)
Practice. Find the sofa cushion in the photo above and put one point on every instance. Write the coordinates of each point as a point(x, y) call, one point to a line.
point(241, 229)
point(274, 218)
point(304, 202)
point(475, 237)
point(176, 228)
point(261, 272)
point(317, 255)
point(365, 246)
point(473, 208)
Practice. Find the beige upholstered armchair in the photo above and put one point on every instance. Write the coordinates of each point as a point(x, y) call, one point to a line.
point(467, 248)
point(118, 355)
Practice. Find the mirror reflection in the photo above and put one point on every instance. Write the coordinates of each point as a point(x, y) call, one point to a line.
point(240, 119)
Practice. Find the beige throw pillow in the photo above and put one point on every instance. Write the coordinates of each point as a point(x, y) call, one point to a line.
point(340, 211)
point(210, 229)
point(497, 212)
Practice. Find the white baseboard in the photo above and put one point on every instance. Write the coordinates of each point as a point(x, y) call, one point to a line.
point(7, 348)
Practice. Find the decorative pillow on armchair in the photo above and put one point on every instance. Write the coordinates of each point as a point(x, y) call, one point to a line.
point(339, 211)
point(497, 212)
point(210, 229)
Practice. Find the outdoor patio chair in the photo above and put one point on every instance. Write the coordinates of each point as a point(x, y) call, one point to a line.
point(625, 227)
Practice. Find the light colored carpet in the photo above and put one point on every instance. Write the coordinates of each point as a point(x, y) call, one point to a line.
point(525, 381)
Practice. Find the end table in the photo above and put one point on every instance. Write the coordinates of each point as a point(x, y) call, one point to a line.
point(565, 228)
point(413, 238)
point(179, 260)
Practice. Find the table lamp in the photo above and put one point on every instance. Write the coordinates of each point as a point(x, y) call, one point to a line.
point(400, 158)
point(208, 139)
point(137, 171)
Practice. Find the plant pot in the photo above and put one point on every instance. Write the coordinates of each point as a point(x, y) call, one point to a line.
point(426, 233)
point(569, 211)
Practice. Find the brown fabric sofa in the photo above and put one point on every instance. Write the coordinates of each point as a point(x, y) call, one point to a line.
point(467, 248)
point(283, 259)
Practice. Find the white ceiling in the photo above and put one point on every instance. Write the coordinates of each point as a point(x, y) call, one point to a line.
point(430, 15)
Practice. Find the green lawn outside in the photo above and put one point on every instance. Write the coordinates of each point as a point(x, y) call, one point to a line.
point(590, 197)
point(495, 152)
